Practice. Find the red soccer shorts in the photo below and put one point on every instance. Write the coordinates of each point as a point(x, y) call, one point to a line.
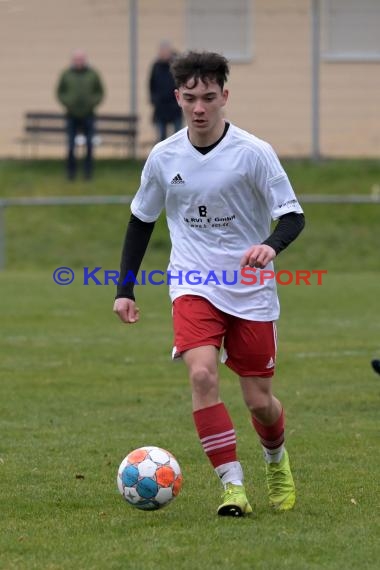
point(249, 346)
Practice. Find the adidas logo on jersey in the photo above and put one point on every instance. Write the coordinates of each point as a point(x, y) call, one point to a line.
point(177, 179)
point(270, 363)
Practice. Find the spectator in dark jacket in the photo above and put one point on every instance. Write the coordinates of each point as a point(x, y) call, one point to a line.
point(161, 87)
point(80, 90)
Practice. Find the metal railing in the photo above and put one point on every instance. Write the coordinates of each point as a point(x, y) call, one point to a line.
point(106, 200)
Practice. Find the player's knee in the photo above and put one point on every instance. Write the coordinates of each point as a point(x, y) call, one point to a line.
point(203, 380)
point(259, 407)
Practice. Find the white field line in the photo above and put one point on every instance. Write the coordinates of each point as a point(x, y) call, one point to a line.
point(335, 353)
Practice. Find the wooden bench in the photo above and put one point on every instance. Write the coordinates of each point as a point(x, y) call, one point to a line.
point(45, 128)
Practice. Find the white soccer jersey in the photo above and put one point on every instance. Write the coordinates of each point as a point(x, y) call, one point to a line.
point(217, 206)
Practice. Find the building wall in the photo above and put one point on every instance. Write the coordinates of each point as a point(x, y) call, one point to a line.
point(37, 38)
point(269, 95)
point(350, 109)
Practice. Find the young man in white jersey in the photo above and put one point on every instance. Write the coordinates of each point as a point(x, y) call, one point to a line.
point(220, 187)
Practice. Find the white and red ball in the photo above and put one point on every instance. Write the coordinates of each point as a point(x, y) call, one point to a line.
point(149, 478)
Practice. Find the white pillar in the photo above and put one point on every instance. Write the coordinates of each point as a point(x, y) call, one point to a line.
point(315, 68)
point(133, 35)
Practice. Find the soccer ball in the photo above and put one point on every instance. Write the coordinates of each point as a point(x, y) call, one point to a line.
point(149, 478)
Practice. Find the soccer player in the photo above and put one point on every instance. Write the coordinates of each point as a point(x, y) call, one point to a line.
point(220, 187)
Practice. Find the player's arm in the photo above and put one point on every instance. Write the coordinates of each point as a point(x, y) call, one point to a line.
point(286, 231)
point(135, 244)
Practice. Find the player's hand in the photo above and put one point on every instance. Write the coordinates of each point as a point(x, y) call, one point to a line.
point(258, 256)
point(126, 310)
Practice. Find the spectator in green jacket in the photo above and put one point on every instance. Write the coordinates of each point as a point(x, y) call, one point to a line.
point(80, 91)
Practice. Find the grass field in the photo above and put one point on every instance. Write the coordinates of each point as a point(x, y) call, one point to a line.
point(78, 390)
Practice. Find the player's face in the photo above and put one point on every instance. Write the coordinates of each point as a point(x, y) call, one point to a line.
point(202, 106)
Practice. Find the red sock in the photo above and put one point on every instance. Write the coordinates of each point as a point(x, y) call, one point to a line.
point(216, 433)
point(271, 437)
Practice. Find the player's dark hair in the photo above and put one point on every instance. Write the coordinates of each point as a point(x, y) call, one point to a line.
point(204, 66)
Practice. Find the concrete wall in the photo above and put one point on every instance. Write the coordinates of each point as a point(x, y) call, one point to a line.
point(37, 38)
point(270, 95)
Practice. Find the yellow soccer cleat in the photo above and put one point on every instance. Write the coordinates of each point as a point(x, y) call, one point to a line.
point(235, 502)
point(281, 489)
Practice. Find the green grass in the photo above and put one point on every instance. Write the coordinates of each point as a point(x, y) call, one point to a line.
point(337, 235)
point(79, 390)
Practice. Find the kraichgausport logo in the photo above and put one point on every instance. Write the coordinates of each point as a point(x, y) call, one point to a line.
point(248, 276)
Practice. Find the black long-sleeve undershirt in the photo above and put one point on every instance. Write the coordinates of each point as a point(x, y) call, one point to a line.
point(139, 233)
point(135, 243)
point(288, 228)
